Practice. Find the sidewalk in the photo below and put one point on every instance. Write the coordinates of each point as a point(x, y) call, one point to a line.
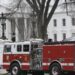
point(3, 72)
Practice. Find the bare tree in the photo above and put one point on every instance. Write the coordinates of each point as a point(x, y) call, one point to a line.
point(70, 7)
point(69, 3)
point(11, 6)
point(44, 14)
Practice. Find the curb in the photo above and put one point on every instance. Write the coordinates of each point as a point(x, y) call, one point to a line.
point(3, 72)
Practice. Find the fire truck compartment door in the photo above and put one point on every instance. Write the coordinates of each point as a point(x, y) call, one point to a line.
point(1, 54)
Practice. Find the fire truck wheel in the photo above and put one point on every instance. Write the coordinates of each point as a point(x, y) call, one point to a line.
point(55, 69)
point(15, 69)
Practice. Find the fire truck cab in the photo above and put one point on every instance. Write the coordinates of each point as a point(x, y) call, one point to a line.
point(22, 56)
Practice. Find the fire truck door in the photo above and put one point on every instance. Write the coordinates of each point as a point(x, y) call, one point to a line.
point(1, 55)
point(36, 59)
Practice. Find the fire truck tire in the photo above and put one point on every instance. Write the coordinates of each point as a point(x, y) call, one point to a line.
point(55, 69)
point(15, 69)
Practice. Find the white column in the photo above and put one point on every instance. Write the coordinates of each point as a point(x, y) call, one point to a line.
point(8, 29)
point(16, 31)
point(25, 29)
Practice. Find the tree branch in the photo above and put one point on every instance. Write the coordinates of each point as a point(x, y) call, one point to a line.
point(42, 10)
point(35, 4)
point(46, 9)
point(42, 6)
point(39, 3)
point(52, 10)
point(32, 4)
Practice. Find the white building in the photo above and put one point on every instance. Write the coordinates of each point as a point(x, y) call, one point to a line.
point(61, 26)
point(18, 25)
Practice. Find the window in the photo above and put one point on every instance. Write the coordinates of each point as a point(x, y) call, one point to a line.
point(55, 37)
point(64, 36)
point(13, 25)
point(73, 34)
point(73, 21)
point(71, 0)
point(64, 22)
point(19, 48)
point(7, 48)
point(25, 48)
point(55, 22)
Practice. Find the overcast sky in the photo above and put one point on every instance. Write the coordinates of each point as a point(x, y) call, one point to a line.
point(4, 4)
point(9, 3)
point(6, 1)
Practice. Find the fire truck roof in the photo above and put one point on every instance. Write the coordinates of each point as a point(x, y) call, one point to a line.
point(60, 42)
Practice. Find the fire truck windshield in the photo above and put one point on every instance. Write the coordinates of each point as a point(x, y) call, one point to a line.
point(7, 48)
point(25, 48)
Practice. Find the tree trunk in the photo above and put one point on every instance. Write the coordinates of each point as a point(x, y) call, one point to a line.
point(39, 24)
point(42, 28)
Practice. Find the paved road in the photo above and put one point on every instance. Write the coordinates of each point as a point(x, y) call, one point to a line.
point(64, 73)
point(45, 74)
point(23, 74)
point(30, 74)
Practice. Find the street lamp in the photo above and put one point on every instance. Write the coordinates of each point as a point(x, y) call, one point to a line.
point(13, 37)
point(3, 19)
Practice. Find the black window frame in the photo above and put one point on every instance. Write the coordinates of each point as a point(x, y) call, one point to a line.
point(64, 21)
point(64, 36)
point(19, 48)
point(7, 48)
point(25, 48)
point(55, 22)
point(73, 21)
point(55, 37)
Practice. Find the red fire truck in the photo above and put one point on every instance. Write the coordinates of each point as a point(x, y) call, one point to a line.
point(35, 55)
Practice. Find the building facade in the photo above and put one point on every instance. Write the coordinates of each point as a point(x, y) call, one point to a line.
point(61, 26)
point(19, 26)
